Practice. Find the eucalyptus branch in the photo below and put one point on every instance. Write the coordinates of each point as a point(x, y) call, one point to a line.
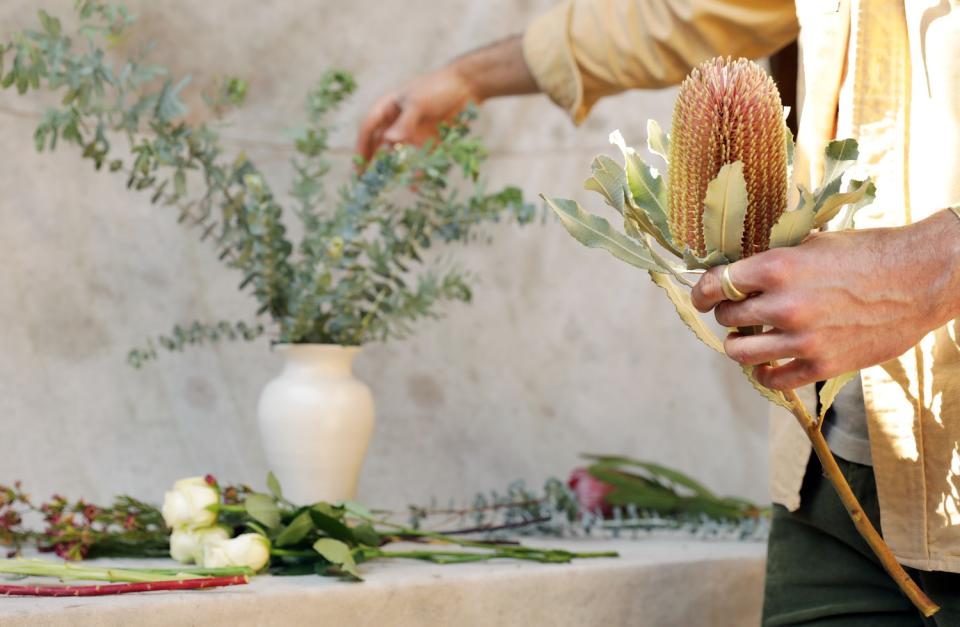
point(348, 280)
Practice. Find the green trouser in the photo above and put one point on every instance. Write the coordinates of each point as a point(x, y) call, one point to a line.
point(821, 572)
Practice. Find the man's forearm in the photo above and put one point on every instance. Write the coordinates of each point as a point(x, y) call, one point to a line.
point(498, 69)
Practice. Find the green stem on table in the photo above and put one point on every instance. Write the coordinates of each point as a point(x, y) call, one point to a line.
point(455, 557)
point(293, 553)
point(493, 551)
point(201, 583)
point(44, 568)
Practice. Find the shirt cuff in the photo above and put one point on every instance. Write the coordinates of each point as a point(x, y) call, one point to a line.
point(547, 51)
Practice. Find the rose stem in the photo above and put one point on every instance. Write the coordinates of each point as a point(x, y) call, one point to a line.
point(514, 551)
point(64, 571)
point(121, 588)
point(852, 505)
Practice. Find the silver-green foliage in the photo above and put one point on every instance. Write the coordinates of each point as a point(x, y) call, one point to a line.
point(351, 278)
point(644, 497)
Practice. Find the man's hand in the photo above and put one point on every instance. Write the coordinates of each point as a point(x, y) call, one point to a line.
point(839, 301)
point(413, 113)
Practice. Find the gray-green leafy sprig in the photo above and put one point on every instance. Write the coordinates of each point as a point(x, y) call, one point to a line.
point(358, 273)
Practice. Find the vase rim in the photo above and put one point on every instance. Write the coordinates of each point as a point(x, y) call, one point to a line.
point(296, 344)
point(293, 346)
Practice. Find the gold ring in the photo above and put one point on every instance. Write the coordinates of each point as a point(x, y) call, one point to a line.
point(728, 288)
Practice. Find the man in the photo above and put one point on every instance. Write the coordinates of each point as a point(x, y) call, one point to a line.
point(882, 299)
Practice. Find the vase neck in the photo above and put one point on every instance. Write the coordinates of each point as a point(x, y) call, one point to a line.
point(319, 359)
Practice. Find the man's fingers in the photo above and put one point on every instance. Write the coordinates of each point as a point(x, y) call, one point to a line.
point(404, 128)
point(789, 376)
point(706, 294)
point(762, 348)
point(380, 117)
point(755, 274)
point(747, 313)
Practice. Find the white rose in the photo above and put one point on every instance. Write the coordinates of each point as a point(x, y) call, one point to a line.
point(185, 506)
point(186, 545)
point(248, 549)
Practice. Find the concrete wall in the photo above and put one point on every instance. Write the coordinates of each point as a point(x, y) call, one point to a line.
point(564, 349)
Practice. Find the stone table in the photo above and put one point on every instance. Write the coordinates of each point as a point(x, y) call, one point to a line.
point(657, 583)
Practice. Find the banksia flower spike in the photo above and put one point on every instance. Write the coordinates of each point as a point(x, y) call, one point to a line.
point(727, 111)
point(729, 161)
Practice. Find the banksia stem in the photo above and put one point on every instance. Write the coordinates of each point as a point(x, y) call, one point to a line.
point(727, 111)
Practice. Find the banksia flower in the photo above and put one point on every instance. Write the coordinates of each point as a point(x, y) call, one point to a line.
point(727, 111)
point(728, 159)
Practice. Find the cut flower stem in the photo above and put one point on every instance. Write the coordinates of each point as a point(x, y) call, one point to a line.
point(491, 551)
point(75, 572)
point(869, 533)
point(197, 583)
point(831, 470)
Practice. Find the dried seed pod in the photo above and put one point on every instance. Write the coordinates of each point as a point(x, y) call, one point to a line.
point(727, 110)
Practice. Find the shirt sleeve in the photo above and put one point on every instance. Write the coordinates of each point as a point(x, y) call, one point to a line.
point(582, 50)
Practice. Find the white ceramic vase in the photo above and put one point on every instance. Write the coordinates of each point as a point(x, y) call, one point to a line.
point(316, 420)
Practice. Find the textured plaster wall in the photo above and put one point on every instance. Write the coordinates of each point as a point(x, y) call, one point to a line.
point(564, 350)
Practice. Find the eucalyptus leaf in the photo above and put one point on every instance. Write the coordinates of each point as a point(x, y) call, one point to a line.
point(262, 508)
point(317, 288)
point(830, 389)
point(793, 226)
point(298, 529)
point(595, 232)
point(338, 554)
point(725, 209)
point(658, 142)
point(609, 180)
point(684, 306)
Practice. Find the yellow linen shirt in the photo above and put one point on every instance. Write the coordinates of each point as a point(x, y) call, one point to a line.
point(886, 72)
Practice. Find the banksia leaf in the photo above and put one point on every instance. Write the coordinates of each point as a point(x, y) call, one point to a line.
point(684, 305)
point(725, 208)
point(658, 142)
point(609, 180)
point(830, 389)
point(793, 226)
point(839, 155)
point(595, 232)
point(831, 205)
point(727, 111)
point(646, 193)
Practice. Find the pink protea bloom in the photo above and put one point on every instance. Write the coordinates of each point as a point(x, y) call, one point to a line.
point(591, 493)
